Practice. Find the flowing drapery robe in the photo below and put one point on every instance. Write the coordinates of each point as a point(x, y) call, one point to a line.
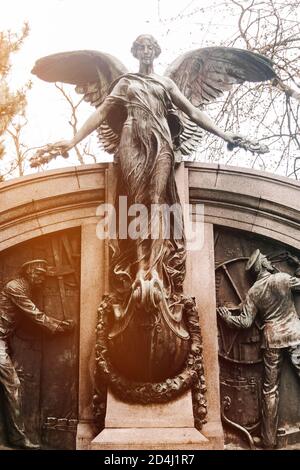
point(141, 114)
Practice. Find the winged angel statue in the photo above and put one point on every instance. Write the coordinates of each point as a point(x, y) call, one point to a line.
point(152, 349)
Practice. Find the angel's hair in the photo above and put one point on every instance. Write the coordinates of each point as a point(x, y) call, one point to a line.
point(138, 40)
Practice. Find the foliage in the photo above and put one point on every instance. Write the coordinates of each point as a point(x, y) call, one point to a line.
point(12, 103)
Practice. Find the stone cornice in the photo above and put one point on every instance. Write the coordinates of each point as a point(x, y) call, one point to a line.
point(52, 204)
point(235, 197)
point(53, 174)
point(52, 200)
point(261, 176)
point(248, 200)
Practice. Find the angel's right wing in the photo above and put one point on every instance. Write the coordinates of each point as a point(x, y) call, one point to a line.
point(92, 72)
point(203, 75)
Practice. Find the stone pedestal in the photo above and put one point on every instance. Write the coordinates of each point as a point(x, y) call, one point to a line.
point(150, 427)
point(200, 283)
point(92, 275)
point(171, 425)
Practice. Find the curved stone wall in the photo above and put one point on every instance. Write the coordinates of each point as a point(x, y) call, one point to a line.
point(249, 200)
point(245, 199)
point(46, 202)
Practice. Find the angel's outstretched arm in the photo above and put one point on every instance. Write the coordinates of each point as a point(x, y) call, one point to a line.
point(199, 117)
point(91, 124)
point(62, 147)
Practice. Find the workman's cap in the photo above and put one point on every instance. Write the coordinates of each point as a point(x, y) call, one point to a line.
point(252, 260)
point(38, 264)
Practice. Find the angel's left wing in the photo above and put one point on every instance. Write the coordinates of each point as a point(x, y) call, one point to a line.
point(92, 72)
point(204, 74)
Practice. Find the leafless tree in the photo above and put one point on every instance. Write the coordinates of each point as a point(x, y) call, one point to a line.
point(82, 151)
point(269, 111)
point(272, 28)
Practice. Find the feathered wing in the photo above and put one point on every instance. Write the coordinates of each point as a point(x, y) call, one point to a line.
point(92, 72)
point(204, 74)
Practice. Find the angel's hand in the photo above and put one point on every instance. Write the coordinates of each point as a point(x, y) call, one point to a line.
point(252, 145)
point(233, 139)
point(62, 146)
point(50, 151)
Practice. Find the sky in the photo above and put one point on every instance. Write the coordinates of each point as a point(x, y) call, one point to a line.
point(105, 25)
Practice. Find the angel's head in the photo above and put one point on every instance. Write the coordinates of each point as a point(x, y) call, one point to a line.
point(145, 48)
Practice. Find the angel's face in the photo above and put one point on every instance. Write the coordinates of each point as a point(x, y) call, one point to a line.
point(145, 51)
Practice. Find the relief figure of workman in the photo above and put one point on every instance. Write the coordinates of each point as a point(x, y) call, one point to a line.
point(271, 299)
point(15, 304)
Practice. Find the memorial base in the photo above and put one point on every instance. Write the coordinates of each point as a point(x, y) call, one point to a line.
point(150, 439)
point(168, 426)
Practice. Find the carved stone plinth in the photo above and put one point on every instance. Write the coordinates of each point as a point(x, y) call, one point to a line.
point(150, 439)
point(150, 427)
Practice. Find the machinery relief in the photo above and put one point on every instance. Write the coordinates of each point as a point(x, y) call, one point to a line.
point(242, 372)
point(44, 366)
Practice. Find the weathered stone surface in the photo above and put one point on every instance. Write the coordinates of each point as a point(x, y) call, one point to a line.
point(150, 439)
point(243, 199)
